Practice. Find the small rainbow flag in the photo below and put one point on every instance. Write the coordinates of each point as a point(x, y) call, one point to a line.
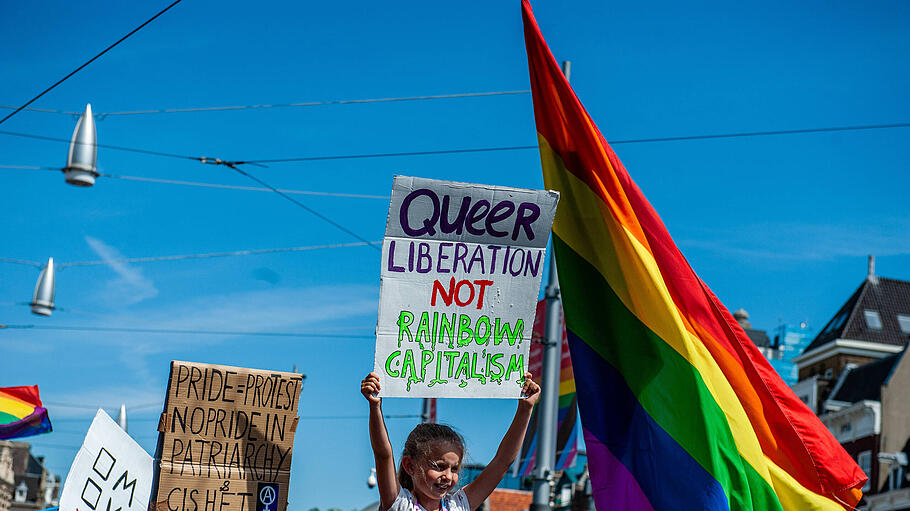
point(679, 409)
point(21, 413)
point(567, 417)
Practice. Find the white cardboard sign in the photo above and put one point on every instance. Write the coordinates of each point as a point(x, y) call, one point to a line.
point(111, 471)
point(461, 270)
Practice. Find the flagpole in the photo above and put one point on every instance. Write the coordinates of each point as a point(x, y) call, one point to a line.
point(549, 380)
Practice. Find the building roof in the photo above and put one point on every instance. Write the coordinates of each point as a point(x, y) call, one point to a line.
point(759, 337)
point(865, 381)
point(882, 298)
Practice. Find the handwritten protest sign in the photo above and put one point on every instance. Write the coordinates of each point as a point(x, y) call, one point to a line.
point(226, 438)
point(461, 270)
point(111, 472)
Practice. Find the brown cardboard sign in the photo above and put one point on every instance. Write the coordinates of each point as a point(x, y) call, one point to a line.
point(226, 438)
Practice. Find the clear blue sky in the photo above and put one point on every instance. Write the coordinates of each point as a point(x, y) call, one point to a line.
point(778, 225)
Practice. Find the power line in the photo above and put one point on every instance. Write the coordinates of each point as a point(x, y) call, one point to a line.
point(244, 188)
point(105, 146)
point(102, 115)
point(742, 134)
point(25, 167)
point(187, 256)
point(359, 417)
point(73, 328)
point(45, 91)
point(208, 185)
point(233, 165)
point(38, 447)
point(209, 255)
point(87, 406)
point(764, 133)
point(122, 319)
point(615, 142)
point(389, 155)
point(21, 261)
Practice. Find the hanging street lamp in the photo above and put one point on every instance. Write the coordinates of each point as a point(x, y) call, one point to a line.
point(81, 162)
point(43, 301)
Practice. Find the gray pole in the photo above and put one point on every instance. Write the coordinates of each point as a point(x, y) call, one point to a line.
point(549, 392)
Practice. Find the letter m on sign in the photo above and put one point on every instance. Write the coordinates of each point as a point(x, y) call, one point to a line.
point(131, 485)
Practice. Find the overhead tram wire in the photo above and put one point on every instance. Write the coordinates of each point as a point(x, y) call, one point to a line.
point(614, 142)
point(21, 261)
point(102, 115)
point(391, 155)
point(63, 265)
point(710, 136)
point(105, 146)
point(207, 185)
point(244, 188)
point(210, 255)
point(27, 167)
point(176, 331)
point(233, 165)
point(45, 91)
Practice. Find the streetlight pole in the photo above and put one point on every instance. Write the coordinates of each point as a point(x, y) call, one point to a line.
point(549, 379)
point(428, 414)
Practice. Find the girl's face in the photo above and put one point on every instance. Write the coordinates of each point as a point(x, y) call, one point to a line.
point(436, 474)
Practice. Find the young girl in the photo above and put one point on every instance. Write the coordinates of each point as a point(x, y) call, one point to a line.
point(427, 477)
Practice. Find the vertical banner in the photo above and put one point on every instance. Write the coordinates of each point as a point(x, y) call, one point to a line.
point(110, 472)
point(461, 271)
point(226, 438)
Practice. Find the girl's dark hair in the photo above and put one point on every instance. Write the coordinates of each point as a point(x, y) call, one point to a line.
point(420, 442)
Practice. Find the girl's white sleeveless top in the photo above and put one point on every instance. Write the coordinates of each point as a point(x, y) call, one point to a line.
point(406, 501)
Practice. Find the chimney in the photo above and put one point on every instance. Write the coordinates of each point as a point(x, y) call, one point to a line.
point(870, 276)
point(742, 317)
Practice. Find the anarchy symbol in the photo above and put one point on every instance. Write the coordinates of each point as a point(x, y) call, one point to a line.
point(267, 497)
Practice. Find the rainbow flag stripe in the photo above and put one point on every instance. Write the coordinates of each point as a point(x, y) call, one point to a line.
point(21, 413)
point(679, 409)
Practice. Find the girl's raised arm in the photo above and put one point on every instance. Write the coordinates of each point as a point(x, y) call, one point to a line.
point(386, 478)
point(481, 487)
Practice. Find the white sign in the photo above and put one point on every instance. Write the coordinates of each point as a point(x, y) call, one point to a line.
point(110, 473)
point(461, 271)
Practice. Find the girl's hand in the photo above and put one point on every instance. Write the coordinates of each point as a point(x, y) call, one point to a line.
point(531, 391)
point(370, 388)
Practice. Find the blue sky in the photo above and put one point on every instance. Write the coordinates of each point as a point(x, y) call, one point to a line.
point(779, 225)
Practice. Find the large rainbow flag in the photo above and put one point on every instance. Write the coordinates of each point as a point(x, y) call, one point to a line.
point(21, 413)
point(679, 409)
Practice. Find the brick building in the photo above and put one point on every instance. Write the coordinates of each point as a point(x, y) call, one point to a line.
point(7, 477)
point(34, 486)
point(855, 375)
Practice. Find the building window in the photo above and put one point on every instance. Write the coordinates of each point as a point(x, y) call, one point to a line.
point(904, 321)
point(21, 492)
point(864, 460)
point(846, 428)
point(873, 320)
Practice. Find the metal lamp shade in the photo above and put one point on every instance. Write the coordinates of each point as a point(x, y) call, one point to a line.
point(121, 417)
point(43, 301)
point(81, 162)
